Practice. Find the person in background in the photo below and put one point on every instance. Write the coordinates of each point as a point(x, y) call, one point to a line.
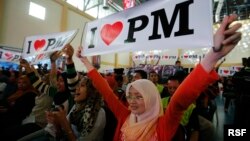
point(60, 88)
point(189, 124)
point(228, 92)
point(154, 77)
point(36, 120)
point(10, 78)
point(85, 121)
point(139, 74)
point(241, 82)
point(18, 105)
point(144, 120)
point(178, 65)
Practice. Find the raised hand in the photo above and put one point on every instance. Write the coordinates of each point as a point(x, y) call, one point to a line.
point(55, 55)
point(68, 51)
point(24, 63)
point(84, 59)
point(225, 39)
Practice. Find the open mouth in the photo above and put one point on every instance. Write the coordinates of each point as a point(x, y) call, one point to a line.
point(76, 94)
point(133, 107)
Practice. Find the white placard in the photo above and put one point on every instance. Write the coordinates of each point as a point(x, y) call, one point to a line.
point(154, 25)
point(43, 44)
point(10, 54)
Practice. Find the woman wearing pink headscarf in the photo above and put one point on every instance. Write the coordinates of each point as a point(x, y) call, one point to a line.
point(144, 119)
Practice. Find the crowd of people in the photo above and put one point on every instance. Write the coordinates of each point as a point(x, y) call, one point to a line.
point(70, 105)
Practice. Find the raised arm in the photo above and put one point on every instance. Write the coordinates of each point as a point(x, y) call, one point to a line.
point(72, 77)
point(103, 87)
point(225, 39)
point(36, 81)
point(53, 71)
point(203, 74)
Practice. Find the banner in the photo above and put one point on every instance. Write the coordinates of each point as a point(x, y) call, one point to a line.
point(46, 44)
point(10, 54)
point(128, 4)
point(154, 25)
point(161, 56)
point(229, 71)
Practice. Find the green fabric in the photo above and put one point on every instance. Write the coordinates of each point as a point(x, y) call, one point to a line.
point(52, 91)
point(70, 69)
point(186, 115)
point(160, 88)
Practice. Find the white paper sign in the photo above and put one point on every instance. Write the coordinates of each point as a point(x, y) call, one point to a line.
point(225, 71)
point(154, 25)
point(41, 44)
point(9, 55)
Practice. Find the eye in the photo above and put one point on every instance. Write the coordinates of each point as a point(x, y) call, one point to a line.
point(139, 97)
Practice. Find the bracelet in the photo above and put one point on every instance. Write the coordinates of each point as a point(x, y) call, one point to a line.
point(217, 50)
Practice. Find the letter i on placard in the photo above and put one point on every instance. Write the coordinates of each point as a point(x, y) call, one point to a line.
point(92, 38)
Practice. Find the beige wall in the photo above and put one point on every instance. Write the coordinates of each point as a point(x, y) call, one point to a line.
point(16, 24)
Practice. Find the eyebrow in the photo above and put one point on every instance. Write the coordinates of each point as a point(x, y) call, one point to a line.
point(137, 93)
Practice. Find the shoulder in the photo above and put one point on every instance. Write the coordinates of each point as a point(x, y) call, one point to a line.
point(101, 115)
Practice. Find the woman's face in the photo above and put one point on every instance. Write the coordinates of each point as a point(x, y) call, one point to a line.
point(81, 92)
point(60, 84)
point(135, 101)
point(22, 84)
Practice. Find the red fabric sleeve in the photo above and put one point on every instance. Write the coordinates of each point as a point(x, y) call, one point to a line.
point(189, 90)
point(109, 96)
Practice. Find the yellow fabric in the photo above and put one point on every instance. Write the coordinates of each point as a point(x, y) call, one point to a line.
point(160, 88)
point(186, 115)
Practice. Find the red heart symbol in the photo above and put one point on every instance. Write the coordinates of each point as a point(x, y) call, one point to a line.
point(40, 56)
point(238, 68)
point(39, 44)
point(185, 56)
point(226, 71)
point(110, 32)
point(8, 55)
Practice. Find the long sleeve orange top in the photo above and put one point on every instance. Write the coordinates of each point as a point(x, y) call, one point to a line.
point(167, 124)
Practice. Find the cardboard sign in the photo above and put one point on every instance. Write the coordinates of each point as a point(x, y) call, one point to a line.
point(10, 54)
point(154, 25)
point(46, 44)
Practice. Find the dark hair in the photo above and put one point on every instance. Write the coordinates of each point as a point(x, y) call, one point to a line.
point(119, 71)
point(181, 75)
point(119, 78)
point(64, 76)
point(143, 73)
point(91, 90)
point(173, 77)
point(177, 61)
point(152, 71)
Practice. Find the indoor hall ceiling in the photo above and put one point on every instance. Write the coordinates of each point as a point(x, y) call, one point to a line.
point(225, 7)
point(220, 8)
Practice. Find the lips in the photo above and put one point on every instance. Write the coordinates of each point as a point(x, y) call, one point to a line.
point(133, 107)
point(77, 94)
